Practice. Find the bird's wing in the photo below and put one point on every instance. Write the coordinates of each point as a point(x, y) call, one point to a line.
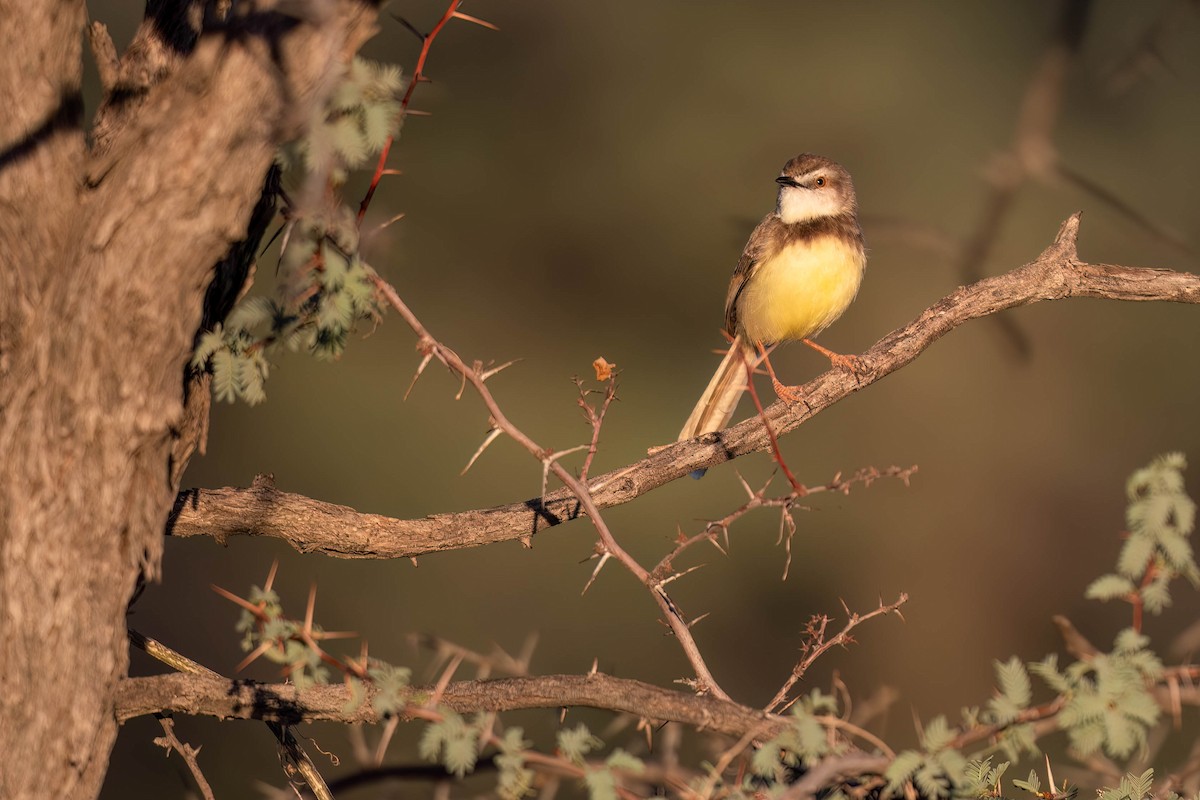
point(752, 255)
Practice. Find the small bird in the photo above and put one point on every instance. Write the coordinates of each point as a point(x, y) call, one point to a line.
point(798, 273)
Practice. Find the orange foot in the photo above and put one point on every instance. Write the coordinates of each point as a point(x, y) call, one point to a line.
point(788, 394)
point(852, 364)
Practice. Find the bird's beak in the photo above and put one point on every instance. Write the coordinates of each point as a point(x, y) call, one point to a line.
point(784, 180)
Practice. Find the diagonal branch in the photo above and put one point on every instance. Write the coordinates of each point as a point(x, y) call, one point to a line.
point(311, 525)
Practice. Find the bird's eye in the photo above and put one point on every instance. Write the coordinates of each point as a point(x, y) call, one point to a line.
point(820, 181)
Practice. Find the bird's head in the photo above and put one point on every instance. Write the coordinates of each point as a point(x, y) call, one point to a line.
point(812, 187)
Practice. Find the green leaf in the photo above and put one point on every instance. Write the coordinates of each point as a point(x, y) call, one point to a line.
point(601, 784)
point(515, 779)
point(1018, 740)
point(391, 686)
point(453, 739)
point(1129, 640)
point(1135, 555)
point(937, 735)
point(1047, 670)
point(224, 376)
point(1015, 690)
point(1176, 549)
point(575, 743)
point(619, 759)
point(1031, 784)
point(1143, 784)
point(931, 782)
point(251, 312)
point(1120, 735)
point(1109, 587)
point(1088, 737)
point(902, 768)
point(210, 342)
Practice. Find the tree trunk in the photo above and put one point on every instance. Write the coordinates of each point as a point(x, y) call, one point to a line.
point(106, 248)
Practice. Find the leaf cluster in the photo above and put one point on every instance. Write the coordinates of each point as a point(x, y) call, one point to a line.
point(1160, 517)
point(278, 638)
point(601, 782)
point(937, 770)
point(323, 286)
point(802, 743)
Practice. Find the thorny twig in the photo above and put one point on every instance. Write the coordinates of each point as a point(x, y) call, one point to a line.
point(168, 741)
point(816, 644)
point(785, 503)
point(427, 344)
point(594, 413)
point(418, 76)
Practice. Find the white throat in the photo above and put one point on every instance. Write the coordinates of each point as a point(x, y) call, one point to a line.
point(797, 204)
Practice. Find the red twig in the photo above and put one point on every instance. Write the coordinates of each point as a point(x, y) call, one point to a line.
point(1136, 597)
point(417, 76)
point(758, 406)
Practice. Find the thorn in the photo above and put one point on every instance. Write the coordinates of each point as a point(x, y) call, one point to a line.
point(550, 459)
point(677, 575)
point(271, 575)
point(595, 667)
point(254, 654)
point(391, 221)
point(312, 604)
point(476, 20)
point(696, 621)
point(420, 368)
point(253, 608)
point(489, 373)
point(390, 171)
point(287, 236)
point(413, 559)
point(491, 437)
point(604, 557)
point(414, 112)
point(745, 485)
point(274, 236)
point(712, 539)
point(409, 26)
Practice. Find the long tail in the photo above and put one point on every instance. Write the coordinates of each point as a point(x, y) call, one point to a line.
point(719, 400)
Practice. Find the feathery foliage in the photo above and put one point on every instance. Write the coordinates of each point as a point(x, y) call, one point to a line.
point(323, 285)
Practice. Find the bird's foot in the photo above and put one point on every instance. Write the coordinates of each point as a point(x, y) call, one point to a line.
point(847, 363)
point(788, 394)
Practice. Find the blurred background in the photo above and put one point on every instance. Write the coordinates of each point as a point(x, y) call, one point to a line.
point(583, 188)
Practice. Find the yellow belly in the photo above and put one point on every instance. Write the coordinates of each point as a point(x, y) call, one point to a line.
point(801, 290)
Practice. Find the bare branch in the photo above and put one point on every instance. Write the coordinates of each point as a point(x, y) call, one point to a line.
point(310, 525)
point(282, 703)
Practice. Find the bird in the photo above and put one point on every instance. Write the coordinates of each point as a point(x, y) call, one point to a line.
point(799, 271)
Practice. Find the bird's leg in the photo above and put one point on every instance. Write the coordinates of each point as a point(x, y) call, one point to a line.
point(851, 364)
point(788, 394)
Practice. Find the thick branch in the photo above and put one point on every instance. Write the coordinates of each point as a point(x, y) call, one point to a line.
point(311, 525)
point(282, 703)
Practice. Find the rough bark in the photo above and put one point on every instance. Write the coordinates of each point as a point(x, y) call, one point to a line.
point(200, 695)
point(106, 250)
